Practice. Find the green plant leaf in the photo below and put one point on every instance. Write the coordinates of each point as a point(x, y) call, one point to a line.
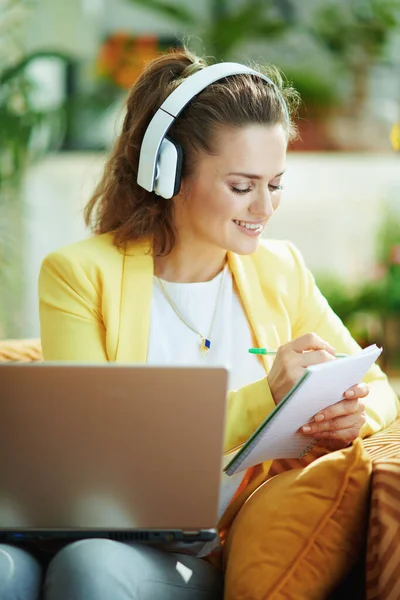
point(355, 29)
point(231, 27)
point(20, 120)
point(316, 92)
point(269, 29)
point(16, 69)
point(177, 13)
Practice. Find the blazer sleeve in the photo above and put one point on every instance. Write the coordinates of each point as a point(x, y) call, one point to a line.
point(246, 409)
point(71, 325)
point(313, 314)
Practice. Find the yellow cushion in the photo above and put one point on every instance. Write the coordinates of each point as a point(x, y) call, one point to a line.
point(301, 532)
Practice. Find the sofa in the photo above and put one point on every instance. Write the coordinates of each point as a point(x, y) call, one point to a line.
point(376, 574)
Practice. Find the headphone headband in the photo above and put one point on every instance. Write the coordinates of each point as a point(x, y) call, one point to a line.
point(173, 106)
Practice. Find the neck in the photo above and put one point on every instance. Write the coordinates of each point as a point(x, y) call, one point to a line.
point(190, 264)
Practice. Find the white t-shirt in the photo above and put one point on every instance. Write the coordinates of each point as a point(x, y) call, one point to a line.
point(173, 343)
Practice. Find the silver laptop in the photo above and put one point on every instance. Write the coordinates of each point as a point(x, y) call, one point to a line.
point(119, 451)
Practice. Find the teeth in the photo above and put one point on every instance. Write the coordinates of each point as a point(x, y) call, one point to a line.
point(251, 226)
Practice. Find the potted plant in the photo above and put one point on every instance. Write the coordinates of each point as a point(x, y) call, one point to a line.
point(319, 98)
point(371, 310)
point(357, 34)
point(20, 120)
point(389, 290)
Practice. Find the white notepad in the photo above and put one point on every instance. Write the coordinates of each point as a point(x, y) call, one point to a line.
point(319, 387)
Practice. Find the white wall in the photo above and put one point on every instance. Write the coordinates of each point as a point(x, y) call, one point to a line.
point(330, 210)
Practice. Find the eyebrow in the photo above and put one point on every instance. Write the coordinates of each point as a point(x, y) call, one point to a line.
point(250, 176)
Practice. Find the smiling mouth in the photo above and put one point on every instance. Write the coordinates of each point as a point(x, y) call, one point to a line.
point(249, 226)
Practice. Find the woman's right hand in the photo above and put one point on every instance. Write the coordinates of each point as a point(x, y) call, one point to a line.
point(293, 358)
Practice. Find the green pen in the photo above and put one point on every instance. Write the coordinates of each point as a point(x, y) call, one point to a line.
point(273, 352)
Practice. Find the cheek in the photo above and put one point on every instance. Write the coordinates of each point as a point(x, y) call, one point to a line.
point(203, 203)
point(227, 206)
point(276, 200)
point(221, 209)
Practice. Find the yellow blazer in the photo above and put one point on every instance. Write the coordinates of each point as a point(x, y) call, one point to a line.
point(95, 307)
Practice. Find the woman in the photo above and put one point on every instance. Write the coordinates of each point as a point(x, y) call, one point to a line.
point(165, 279)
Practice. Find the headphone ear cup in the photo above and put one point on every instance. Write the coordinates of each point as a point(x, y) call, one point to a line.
point(169, 169)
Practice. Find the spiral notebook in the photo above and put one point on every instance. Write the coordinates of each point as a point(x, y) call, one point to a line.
point(319, 387)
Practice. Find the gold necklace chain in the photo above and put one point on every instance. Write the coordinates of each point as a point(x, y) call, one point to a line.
point(205, 342)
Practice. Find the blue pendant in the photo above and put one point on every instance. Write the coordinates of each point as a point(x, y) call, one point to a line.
point(205, 344)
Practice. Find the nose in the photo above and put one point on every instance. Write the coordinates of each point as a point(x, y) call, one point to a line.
point(262, 204)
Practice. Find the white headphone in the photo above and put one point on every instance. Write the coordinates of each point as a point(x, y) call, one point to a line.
point(160, 160)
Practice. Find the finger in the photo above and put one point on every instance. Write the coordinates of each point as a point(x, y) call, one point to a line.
point(346, 435)
point(315, 357)
point(310, 341)
point(360, 390)
point(346, 422)
point(343, 407)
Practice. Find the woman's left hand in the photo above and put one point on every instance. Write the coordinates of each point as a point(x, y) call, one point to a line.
point(339, 424)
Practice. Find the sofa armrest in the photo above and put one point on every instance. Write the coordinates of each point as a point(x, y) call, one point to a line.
point(383, 547)
point(20, 350)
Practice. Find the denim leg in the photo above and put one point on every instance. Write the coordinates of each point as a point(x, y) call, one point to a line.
point(20, 574)
point(100, 569)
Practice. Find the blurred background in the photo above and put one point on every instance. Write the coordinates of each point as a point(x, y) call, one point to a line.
point(66, 68)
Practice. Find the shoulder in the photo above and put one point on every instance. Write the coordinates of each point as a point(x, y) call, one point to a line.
point(88, 255)
point(90, 250)
point(83, 264)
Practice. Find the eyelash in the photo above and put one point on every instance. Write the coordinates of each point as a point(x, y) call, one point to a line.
point(275, 188)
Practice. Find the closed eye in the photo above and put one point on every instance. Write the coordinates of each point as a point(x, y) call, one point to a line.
point(273, 188)
point(241, 191)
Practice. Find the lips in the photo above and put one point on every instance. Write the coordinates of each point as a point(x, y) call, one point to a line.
point(248, 224)
point(249, 228)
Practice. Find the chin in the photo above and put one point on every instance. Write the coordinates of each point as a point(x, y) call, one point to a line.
point(245, 247)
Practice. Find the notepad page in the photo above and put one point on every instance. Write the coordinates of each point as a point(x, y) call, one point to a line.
point(324, 386)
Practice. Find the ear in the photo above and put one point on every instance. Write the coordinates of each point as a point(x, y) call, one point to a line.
point(169, 169)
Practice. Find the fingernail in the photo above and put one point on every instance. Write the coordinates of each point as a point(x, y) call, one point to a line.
point(350, 393)
point(306, 428)
point(320, 417)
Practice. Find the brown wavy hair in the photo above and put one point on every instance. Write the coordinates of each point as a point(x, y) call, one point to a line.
point(119, 205)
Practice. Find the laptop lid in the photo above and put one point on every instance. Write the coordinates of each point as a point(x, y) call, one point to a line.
point(116, 447)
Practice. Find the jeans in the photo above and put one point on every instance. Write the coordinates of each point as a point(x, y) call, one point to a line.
point(101, 569)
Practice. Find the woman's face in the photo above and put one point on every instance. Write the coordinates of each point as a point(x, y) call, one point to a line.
point(232, 195)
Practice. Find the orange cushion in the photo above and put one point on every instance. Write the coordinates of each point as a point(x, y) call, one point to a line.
point(301, 532)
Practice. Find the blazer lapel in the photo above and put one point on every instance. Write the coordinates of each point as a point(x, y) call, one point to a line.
point(254, 302)
point(136, 295)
